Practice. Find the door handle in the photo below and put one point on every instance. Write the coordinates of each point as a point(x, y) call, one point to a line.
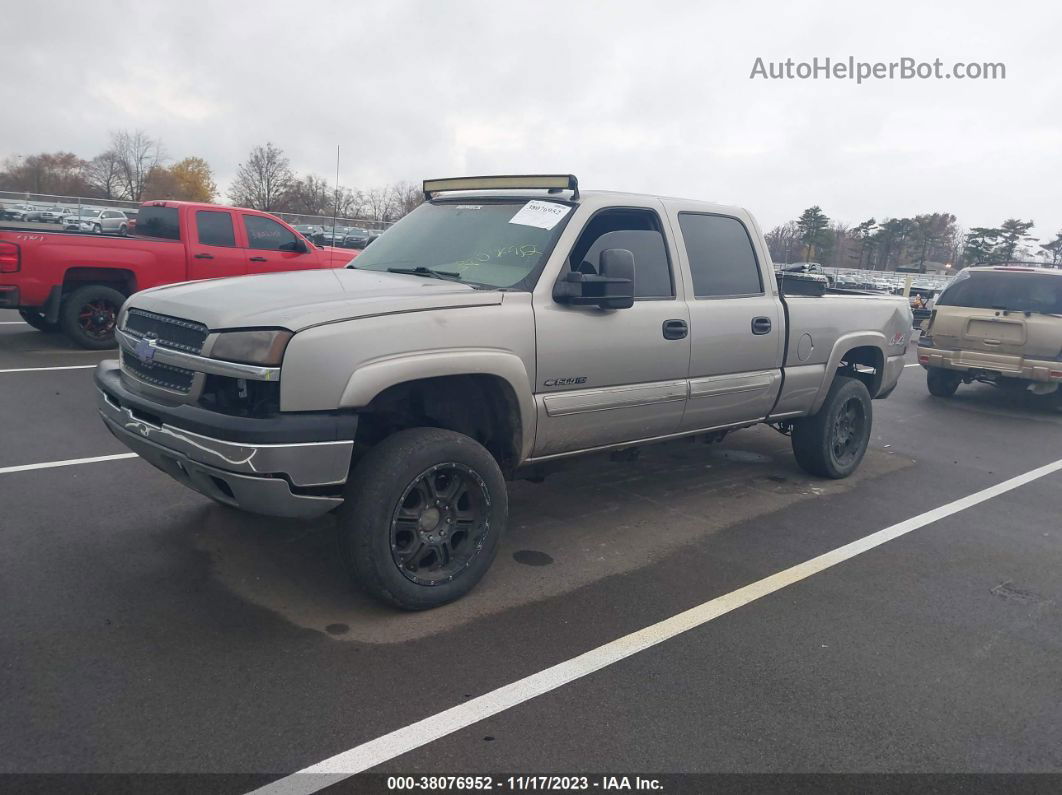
point(259, 259)
point(204, 256)
point(761, 325)
point(675, 329)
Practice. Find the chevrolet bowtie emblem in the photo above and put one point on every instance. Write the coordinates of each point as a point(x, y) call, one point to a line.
point(145, 350)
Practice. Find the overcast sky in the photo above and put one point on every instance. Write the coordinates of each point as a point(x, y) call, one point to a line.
point(642, 96)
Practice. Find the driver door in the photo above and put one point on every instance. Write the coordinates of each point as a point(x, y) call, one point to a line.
point(611, 376)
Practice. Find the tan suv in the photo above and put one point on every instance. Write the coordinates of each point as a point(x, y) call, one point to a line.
point(1000, 325)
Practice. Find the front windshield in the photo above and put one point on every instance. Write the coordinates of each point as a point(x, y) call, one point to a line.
point(479, 241)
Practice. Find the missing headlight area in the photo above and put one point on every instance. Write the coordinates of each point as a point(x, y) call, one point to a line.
point(240, 397)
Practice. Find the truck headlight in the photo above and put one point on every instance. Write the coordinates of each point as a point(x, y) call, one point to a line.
point(264, 347)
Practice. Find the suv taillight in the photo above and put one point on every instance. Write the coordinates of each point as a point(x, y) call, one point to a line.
point(9, 258)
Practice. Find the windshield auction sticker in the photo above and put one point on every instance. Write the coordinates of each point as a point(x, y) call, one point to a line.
point(544, 215)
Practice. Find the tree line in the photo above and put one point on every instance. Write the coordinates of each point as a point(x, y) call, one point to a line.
point(907, 242)
point(136, 167)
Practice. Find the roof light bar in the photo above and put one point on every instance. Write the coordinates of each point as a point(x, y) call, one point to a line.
point(551, 182)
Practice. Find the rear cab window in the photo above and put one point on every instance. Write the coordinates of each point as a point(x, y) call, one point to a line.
point(215, 228)
point(723, 263)
point(161, 223)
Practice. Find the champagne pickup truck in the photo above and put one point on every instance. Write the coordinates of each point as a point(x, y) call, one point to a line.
point(505, 323)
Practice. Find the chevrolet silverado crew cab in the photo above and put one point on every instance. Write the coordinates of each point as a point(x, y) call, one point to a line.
point(505, 323)
point(997, 324)
point(77, 283)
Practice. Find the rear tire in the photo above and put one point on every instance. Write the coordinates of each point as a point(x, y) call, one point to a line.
point(941, 382)
point(831, 443)
point(422, 517)
point(123, 230)
point(89, 314)
point(36, 319)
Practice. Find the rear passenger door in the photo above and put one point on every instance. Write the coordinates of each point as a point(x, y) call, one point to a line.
point(736, 323)
point(274, 247)
point(213, 250)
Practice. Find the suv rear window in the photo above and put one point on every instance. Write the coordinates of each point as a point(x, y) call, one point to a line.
point(161, 222)
point(1017, 292)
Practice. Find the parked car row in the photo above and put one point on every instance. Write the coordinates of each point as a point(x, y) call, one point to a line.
point(95, 220)
point(339, 236)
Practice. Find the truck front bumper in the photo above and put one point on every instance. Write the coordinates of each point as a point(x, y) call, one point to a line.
point(234, 462)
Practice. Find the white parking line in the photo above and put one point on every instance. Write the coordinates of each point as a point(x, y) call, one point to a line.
point(42, 369)
point(68, 463)
point(375, 752)
point(13, 323)
point(916, 364)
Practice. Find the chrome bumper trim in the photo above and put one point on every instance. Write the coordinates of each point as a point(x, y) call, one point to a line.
point(306, 464)
point(199, 364)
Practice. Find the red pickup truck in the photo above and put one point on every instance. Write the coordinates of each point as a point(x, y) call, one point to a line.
point(77, 282)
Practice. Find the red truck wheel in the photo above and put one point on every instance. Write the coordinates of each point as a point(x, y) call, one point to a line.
point(89, 314)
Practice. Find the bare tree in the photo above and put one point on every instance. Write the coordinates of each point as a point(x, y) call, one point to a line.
point(137, 154)
point(263, 182)
point(379, 203)
point(104, 175)
point(408, 196)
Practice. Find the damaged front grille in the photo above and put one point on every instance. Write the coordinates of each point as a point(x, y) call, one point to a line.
point(163, 375)
point(169, 332)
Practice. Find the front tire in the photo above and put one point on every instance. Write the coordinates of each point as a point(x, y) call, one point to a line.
point(89, 314)
point(941, 382)
point(36, 319)
point(422, 517)
point(97, 229)
point(831, 443)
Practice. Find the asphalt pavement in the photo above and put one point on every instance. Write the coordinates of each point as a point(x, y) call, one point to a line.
point(144, 629)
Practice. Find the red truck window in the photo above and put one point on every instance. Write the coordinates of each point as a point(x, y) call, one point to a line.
point(267, 235)
point(160, 222)
point(215, 228)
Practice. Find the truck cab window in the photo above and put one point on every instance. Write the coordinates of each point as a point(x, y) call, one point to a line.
point(160, 222)
point(721, 257)
point(215, 228)
point(638, 231)
point(267, 235)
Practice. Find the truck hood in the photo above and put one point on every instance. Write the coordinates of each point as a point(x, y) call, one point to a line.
point(299, 299)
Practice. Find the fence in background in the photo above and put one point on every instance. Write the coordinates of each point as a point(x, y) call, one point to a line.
point(46, 200)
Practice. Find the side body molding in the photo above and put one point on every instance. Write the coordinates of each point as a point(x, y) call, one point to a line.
point(373, 377)
point(845, 343)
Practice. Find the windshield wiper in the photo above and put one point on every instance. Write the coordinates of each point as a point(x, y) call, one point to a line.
point(420, 270)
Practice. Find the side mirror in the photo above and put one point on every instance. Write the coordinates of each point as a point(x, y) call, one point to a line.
point(299, 246)
point(612, 289)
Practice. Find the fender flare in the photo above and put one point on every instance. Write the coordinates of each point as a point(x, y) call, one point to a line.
point(373, 377)
point(845, 343)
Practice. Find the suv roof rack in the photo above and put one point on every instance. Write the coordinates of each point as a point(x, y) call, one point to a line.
point(551, 182)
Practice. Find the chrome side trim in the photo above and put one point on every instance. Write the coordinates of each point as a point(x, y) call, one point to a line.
point(713, 385)
point(562, 404)
point(634, 442)
point(199, 364)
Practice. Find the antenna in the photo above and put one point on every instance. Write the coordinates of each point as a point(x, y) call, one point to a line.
point(335, 205)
